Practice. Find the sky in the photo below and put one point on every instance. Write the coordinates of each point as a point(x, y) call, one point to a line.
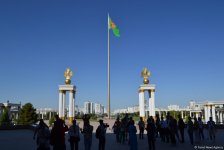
point(180, 42)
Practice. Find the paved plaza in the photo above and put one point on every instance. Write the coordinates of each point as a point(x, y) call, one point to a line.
point(23, 140)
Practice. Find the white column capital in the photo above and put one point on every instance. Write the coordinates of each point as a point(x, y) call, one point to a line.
point(141, 90)
point(72, 91)
point(152, 90)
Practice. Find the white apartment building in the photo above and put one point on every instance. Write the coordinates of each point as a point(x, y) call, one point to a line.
point(173, 107)
point(98, 109)
point(119, 111)
point(89, 108)
point(133, 109)
point(104, 110)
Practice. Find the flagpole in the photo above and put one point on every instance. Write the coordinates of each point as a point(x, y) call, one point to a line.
point(108, 68)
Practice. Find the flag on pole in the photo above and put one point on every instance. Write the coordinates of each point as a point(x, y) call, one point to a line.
point(112, 25)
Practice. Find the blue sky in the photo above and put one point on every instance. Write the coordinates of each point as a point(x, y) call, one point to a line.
point(181, 42)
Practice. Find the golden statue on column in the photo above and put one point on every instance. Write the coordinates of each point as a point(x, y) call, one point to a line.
point(68, 75)
point(145, 74)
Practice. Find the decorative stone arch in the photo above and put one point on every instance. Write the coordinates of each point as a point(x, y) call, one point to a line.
point(150, 88)
point(62, 93)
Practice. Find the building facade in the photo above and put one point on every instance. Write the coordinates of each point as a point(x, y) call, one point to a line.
point(89, 108)
point(13, 109)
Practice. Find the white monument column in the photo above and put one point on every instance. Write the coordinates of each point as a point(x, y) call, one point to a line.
point(209, 111)
point(63, 105)
point(150, 106)
point(141, 104)
point(60, 104)
point(221, 117)
point(182, 114)
point(71, 106)
point(152, 110)
point(150, 103)
point(205, 114)
point(159, 113)
point(74, 103)
point(196, 114)
point(213, 113)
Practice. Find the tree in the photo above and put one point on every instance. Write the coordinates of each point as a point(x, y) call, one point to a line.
point(174, 114)
point(51, 121)
point(27, 115)
point(4, 119)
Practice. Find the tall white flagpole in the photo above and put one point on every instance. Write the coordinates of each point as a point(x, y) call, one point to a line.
point(108, 67)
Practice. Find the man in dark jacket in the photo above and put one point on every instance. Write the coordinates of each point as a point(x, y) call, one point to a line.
point(151, 130)
point(58, 134)
point(101, 131)
point(181, 126)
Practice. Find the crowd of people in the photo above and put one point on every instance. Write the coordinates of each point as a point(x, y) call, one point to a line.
point(169, 130)
point(56, 137)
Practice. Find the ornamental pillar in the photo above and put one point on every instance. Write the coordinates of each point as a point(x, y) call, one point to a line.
point(141, 104)
point(152, 103)
point(71, 105)
point(60, 109)
point(213, 113)
point(205, 114)
point(221, 117)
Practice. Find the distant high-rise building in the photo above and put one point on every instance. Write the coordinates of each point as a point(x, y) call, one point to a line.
point(88, 107)
point(104, 110)
point(98, 109)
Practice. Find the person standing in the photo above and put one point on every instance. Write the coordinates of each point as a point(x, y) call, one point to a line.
point(122, 131)
point(167, 130)
point(151, 131)
point(126, 124)
point(162, 129)
point(43, 136)
point(141, 125)
point(181, 126)
point(158, 126)
point(190, 129)
point(101, 132)
point(173, 129)
point(87, 132)
point(132, 136)
point(201, 128)
point(196, 130)
point(211, 129)
point(58, 134)
point(74, 135)
point(116, 128)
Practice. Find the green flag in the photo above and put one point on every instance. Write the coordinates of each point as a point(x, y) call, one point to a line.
point(112, 25)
